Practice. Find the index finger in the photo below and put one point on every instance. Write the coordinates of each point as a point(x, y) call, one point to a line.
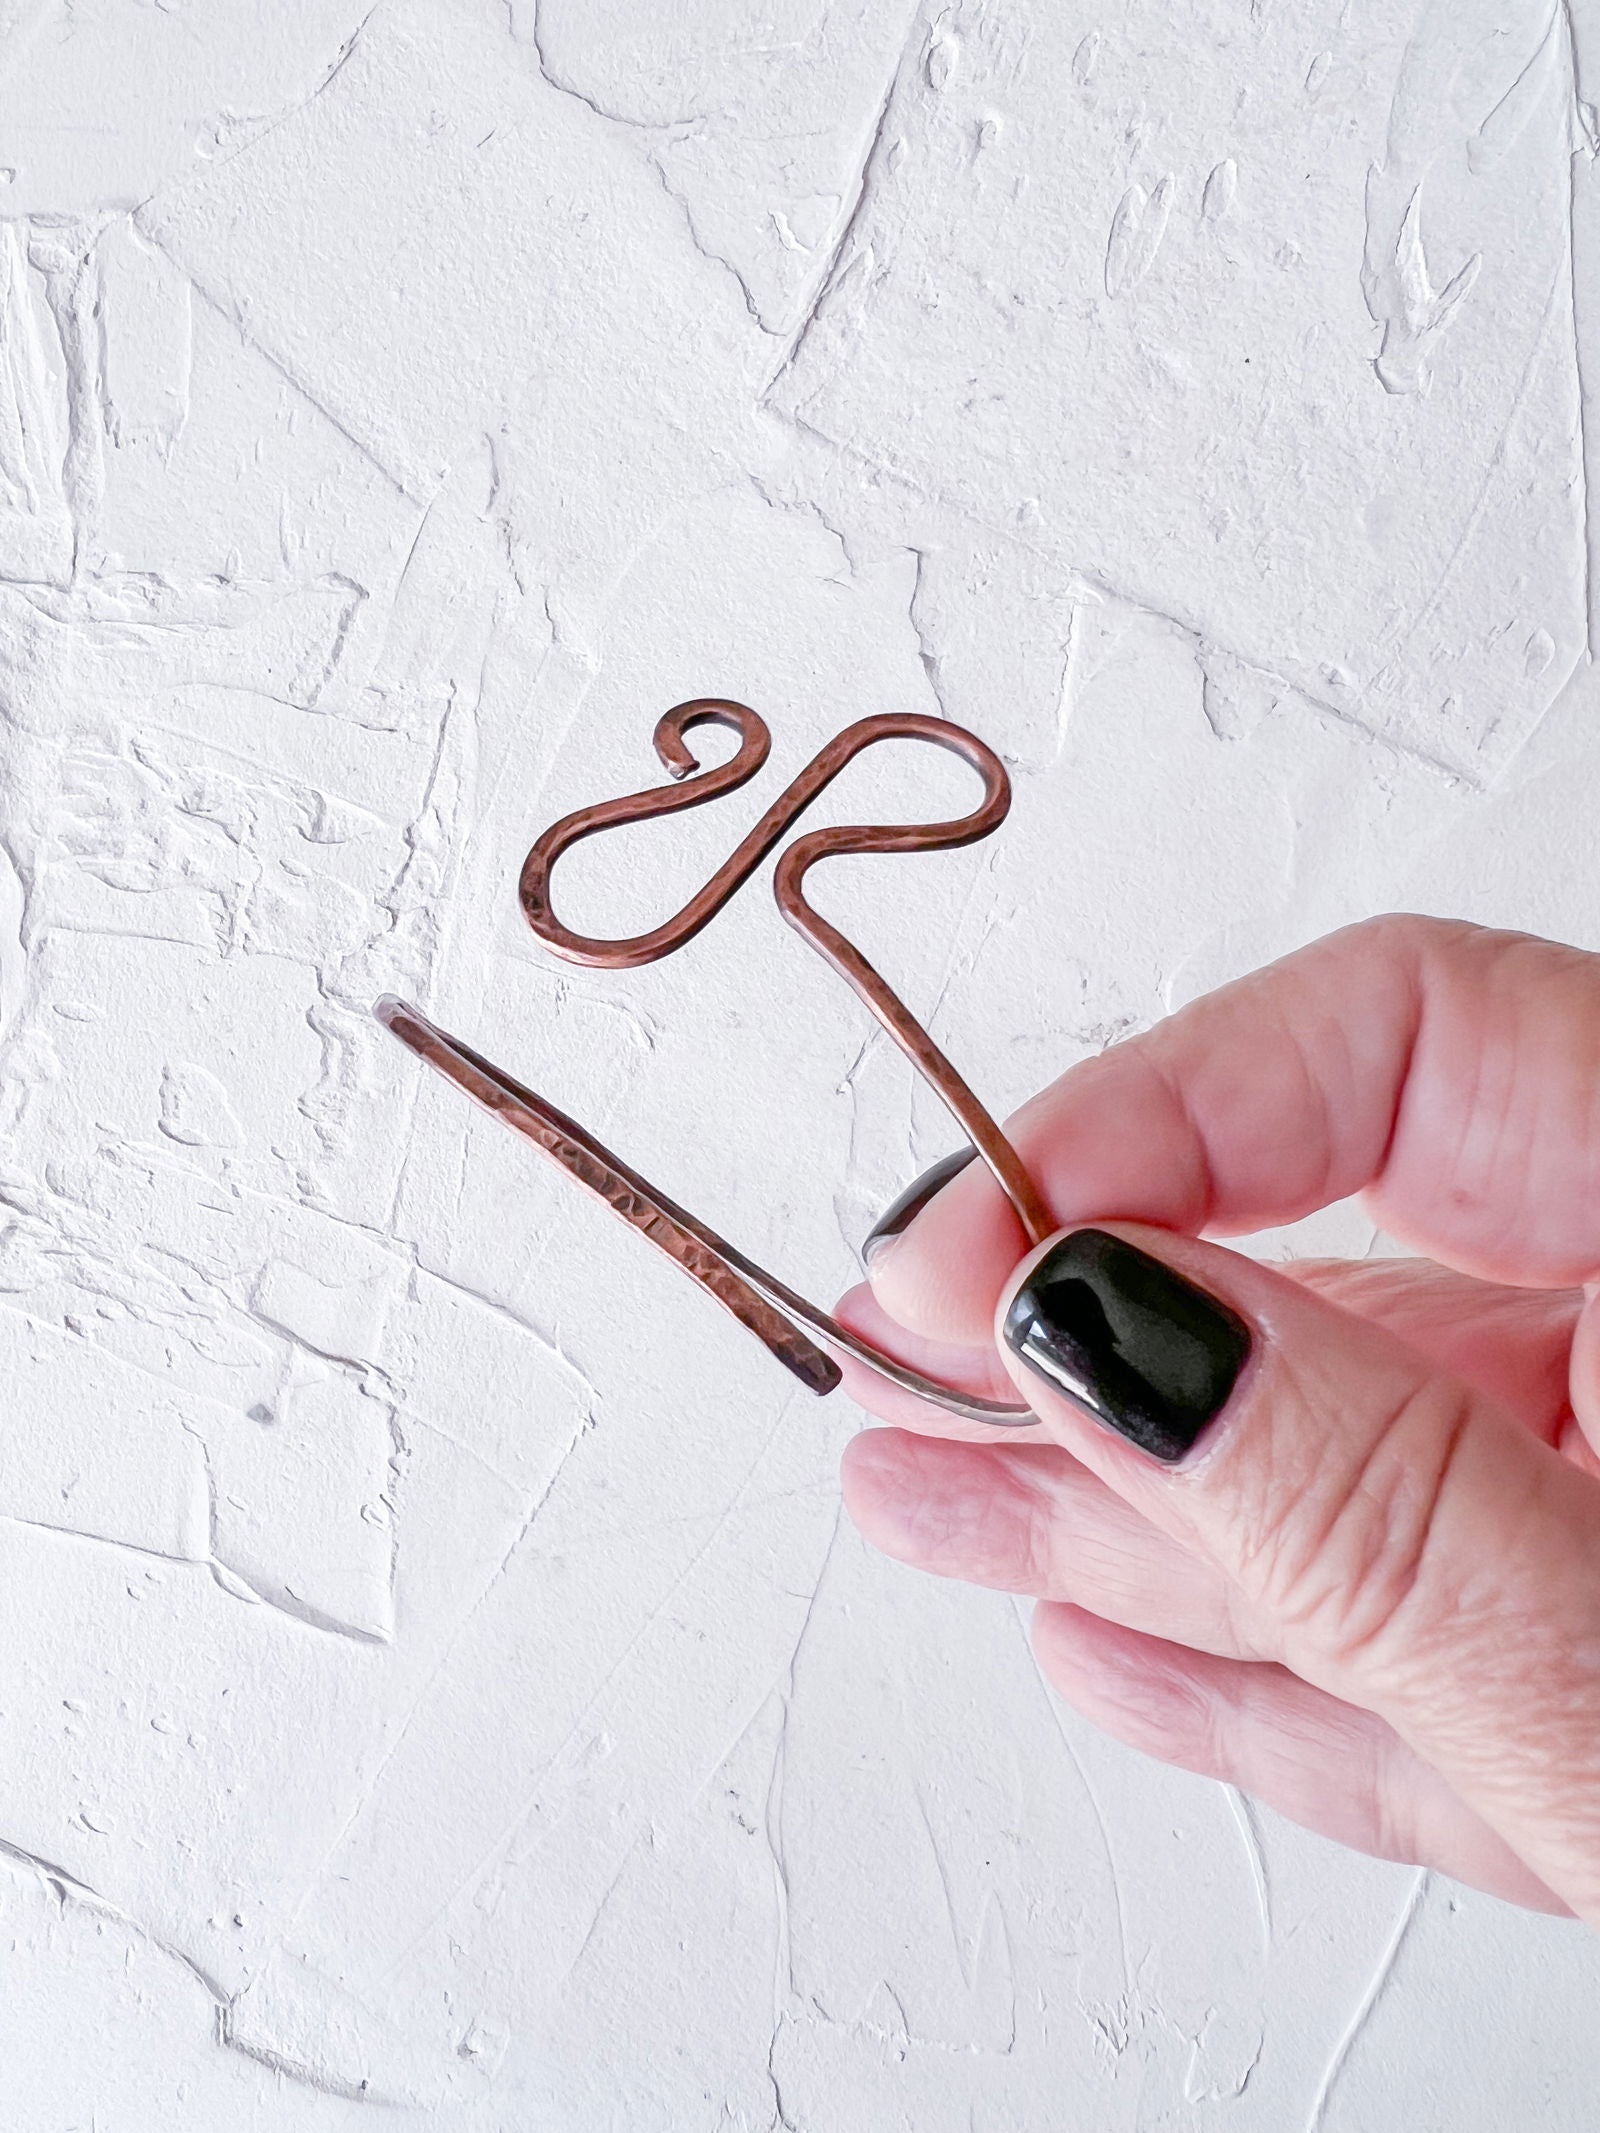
point(1449, 1073)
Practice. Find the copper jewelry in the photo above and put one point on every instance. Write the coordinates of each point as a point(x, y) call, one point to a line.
point(770, 1309)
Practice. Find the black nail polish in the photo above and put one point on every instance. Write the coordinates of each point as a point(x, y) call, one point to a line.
point(1143, 1350)
point(912, 1201)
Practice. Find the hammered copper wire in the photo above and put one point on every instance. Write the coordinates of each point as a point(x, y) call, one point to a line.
point(762, 1303)
point(702, 1254)
point(699, 785)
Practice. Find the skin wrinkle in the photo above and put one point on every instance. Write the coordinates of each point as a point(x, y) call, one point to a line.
point(1525, 1371)
point(1349, 1572)
point(1434, 1061)
point(1357, 1536)
point(1093, 1561)
point(1195, 1205)
point(1591, 1140)
point(1201, 1203)
point(1405, 1061)
point(1343, 1169)
point(437, 249)
point(1481, 1150)
point(1389, 1808)
point(1386, 1571)
point(1099, 1551)
point(1322, 1098)
point(1506, 1636)
point(1342, 1770)
point(1066, 1564)
point(1088, 1564)
point(1411, 1047)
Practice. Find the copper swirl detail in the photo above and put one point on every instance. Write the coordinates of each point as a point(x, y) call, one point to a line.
point(697, 786)
point(765, 1305)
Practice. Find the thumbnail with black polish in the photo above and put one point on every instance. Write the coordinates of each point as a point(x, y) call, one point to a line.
point(1142, 1349)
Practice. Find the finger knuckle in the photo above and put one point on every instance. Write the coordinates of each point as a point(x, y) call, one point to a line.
point(1163, 1713)
point(1403, 934)
point(987, 1536)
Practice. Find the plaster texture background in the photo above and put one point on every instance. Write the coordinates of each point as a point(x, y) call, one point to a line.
point(437, 1689)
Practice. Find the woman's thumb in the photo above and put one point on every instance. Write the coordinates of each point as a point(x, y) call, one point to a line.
point(1409, 1547)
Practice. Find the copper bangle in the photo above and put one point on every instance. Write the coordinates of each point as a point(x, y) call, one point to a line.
point(770, 1309)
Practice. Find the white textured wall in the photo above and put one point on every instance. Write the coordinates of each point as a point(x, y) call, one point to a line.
point(433, 1670)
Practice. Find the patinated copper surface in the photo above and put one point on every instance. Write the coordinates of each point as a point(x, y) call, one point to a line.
point(767, 1306)
point(699, 1251)
point(698, 786)
point(771, 1310)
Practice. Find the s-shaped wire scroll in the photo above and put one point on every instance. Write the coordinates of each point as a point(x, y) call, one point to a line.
point(767, 1306)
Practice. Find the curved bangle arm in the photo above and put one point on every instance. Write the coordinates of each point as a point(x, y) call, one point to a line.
point(769, 1308)
point(783, 1321)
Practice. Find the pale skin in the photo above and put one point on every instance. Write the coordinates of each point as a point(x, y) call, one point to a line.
point(1371, 1596)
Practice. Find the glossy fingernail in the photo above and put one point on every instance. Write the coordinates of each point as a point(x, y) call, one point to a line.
point(1139, 1347)
point(912, 1201)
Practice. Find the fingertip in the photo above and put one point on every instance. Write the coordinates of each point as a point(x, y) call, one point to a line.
point(877, 1479)
point(870, 1459)
point(1061, 1633)
point(955, 1510)
point(975, 1370)
point(939, 1275)
point(897, 1281)
point(900, 1214)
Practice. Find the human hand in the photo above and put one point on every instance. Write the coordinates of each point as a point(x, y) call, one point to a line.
point(1370, 1592)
